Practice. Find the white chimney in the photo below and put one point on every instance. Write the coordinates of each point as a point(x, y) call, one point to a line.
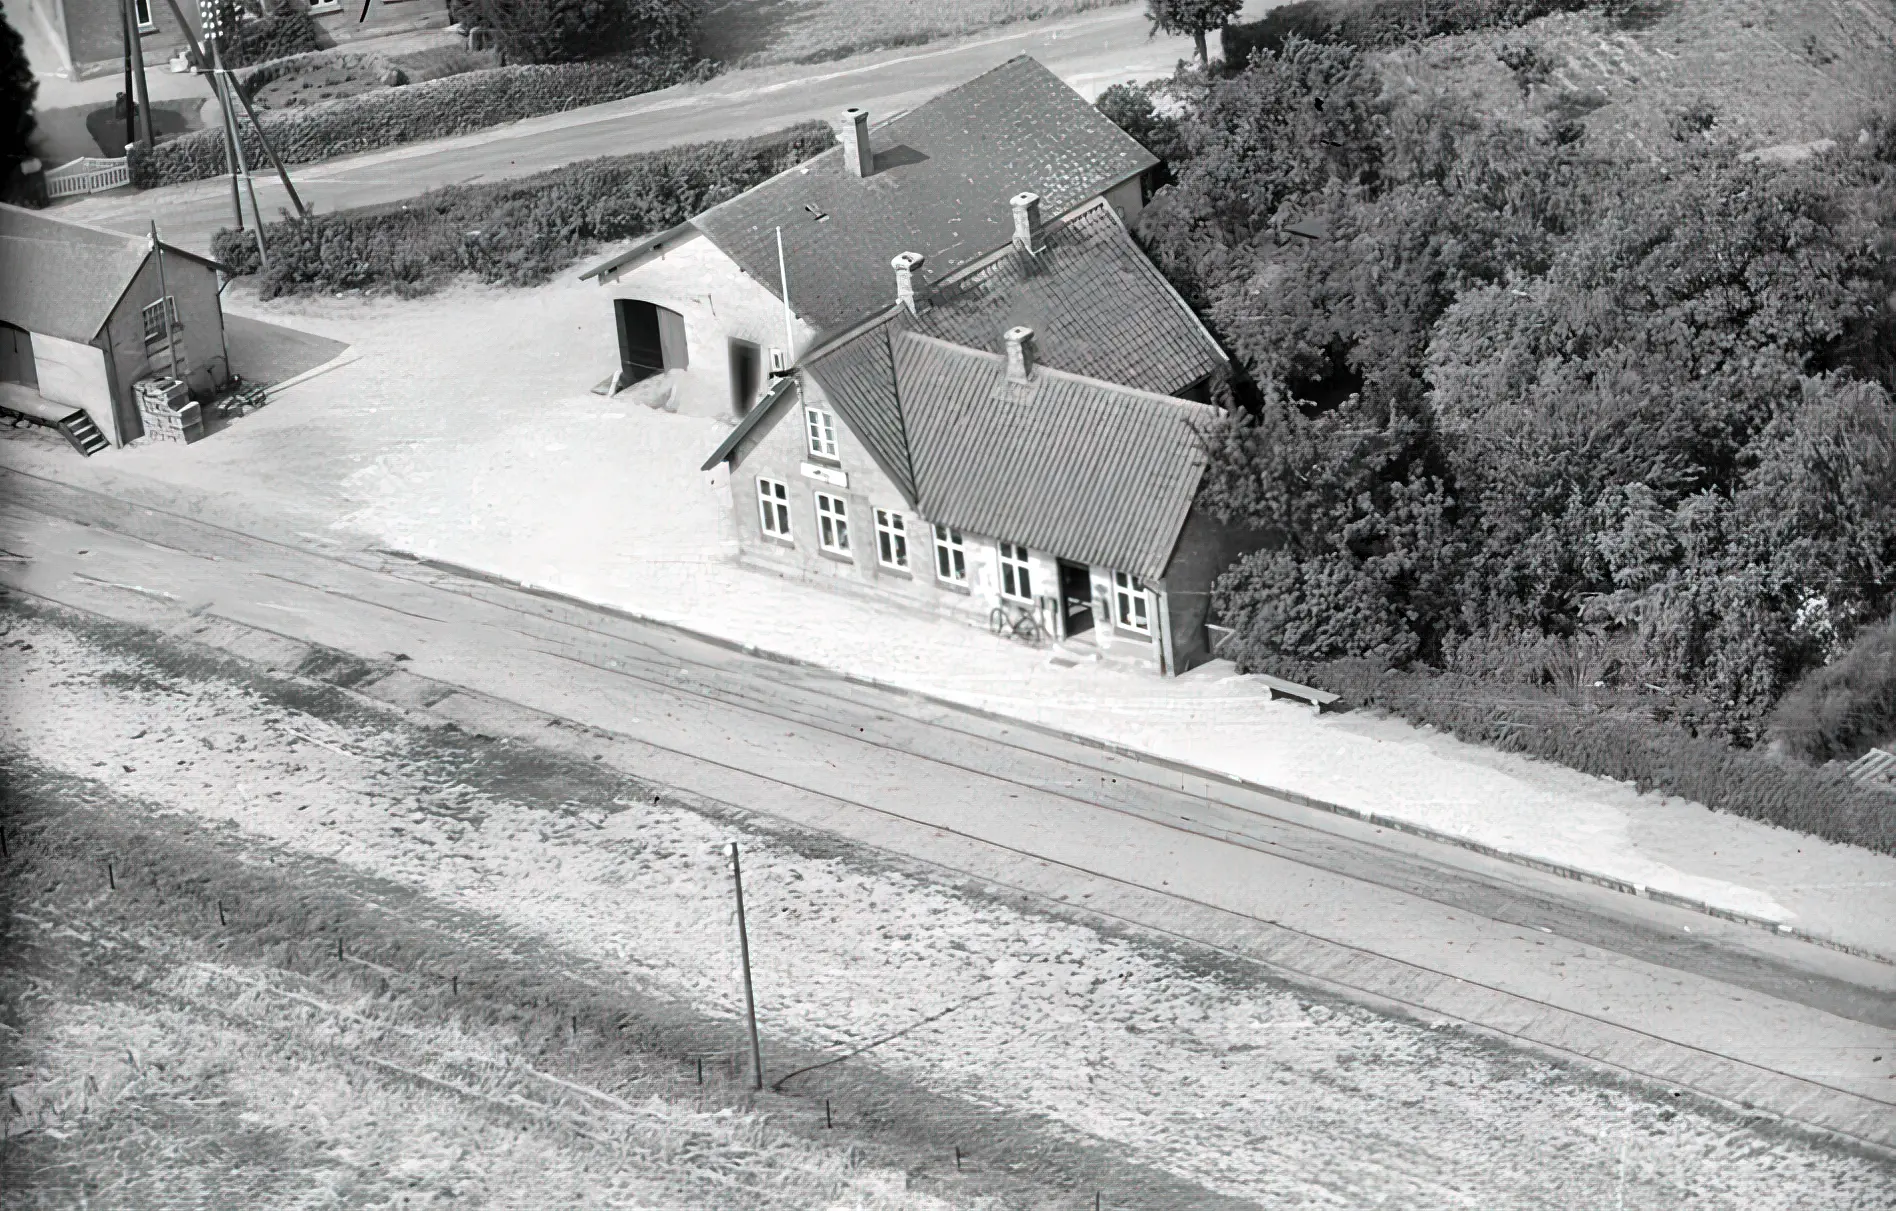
point(1020, 354)
point(1027, 222)
point(909, 287)
point(855, 135)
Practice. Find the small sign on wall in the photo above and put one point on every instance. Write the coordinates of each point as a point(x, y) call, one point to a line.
point(829, 475)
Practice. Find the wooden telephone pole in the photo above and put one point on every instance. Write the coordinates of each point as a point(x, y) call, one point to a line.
point(744, 952)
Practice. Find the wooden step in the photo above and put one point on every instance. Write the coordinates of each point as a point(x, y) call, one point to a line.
point(85, 437)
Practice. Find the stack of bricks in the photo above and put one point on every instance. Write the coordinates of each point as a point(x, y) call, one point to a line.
point(169, 412)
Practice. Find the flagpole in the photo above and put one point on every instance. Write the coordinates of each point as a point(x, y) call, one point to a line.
point(789, 328)
point(164, 303)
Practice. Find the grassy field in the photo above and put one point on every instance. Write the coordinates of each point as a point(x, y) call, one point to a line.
point(1772, 74)
point(752, 33)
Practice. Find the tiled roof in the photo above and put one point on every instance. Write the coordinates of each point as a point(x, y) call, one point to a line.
point(943, 175)
point(1079, 468)
point(63, 279)
point(1096, 303)
point(858, 376)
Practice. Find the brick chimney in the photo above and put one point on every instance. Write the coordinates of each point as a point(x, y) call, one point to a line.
point(855, 136)
point(910, 290)
point(1020, 354)
point(1027, 235)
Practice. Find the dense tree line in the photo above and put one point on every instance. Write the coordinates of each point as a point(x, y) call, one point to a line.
point(1519, 406)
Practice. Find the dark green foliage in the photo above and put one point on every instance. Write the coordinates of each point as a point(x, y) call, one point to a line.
point(1689, 121)
point(517, 232)
point(1377, 24)
point(1130, 107)
point(1531, 65)
point(569, 31)
point(1632, 738)
point(433, 109)
point(1194, 17)
point(1537, 419)
point(289, 32)
point(18, 89)
point(1839, 711)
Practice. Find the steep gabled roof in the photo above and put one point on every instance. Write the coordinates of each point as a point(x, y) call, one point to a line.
point(943, 175)
point(63, 279)
point(1098, 307)
point(1081, 468)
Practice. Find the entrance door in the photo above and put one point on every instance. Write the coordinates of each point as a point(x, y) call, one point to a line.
point(16, 356)
point(651, 339)
point(1076, 598)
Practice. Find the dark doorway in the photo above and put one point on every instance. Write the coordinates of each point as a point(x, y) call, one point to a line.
point(16, 356)
point(1076, 598)
point(747, 375)
point(651, 340)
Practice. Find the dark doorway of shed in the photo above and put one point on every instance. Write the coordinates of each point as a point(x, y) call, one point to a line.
point(1076, 599)
point(16, 356)
point(747, 375)
point(651, 340)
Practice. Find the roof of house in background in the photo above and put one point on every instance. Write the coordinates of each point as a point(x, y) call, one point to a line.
point(944, 172)
point(64, 279)
point(1084, 469)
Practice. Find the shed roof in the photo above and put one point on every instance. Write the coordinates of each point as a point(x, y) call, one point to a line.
point(63, 279)
point(1081, 468)
point(944, 172)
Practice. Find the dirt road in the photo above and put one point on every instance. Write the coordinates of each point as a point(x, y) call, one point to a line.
point(1608, 982)
point(1089, 52)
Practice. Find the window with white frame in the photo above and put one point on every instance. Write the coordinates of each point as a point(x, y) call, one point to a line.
point(773, 507)
point(822, 432)
point(1130, 603)
point(154, 317)
point(144, 15)
point(892, 540)
point(1016, 579)
point(951, 556)
point(832, 523)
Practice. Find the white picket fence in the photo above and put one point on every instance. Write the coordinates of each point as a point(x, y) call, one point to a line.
point(87, 174)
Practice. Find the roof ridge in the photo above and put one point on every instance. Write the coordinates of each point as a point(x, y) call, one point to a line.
point(1189, 406)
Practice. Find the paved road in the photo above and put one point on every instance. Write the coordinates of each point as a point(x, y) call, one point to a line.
point(1089, 52)
point(1618, 981)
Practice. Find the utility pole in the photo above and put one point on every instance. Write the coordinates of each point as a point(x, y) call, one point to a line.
point(744, 952)
point(231, 86)
point(210, 16)
point(138, 75)
point(237, 144)
point(125, 33)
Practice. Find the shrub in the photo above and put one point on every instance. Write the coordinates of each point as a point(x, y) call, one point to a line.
point(274, 37)
point(1377, 24)
point(436, 109)
point(265, 74)
point(1839, 711)
point(517, 232)
point(1623, 736)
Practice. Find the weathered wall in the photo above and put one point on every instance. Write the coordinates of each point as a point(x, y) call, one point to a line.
point(1206, 547)
point(1128, 198)
point(75, 375)
point(778, 450)
point(95, 38)
point(201, 339)
point(718, 301)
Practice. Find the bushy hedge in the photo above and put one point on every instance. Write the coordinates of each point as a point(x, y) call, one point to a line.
point(566, 31)
point(1839, 711)
point(273, 37)
point(1614, 735)
point(517, 232)
point(265, 74)
point(1375, 24)
point(434, 109)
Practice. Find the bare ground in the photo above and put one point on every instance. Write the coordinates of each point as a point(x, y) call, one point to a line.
point(1226, 1082)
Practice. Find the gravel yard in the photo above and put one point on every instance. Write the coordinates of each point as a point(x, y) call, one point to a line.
point(1243, 1085)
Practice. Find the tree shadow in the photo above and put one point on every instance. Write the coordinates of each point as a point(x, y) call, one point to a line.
point(733, 30)
point(106, 125)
